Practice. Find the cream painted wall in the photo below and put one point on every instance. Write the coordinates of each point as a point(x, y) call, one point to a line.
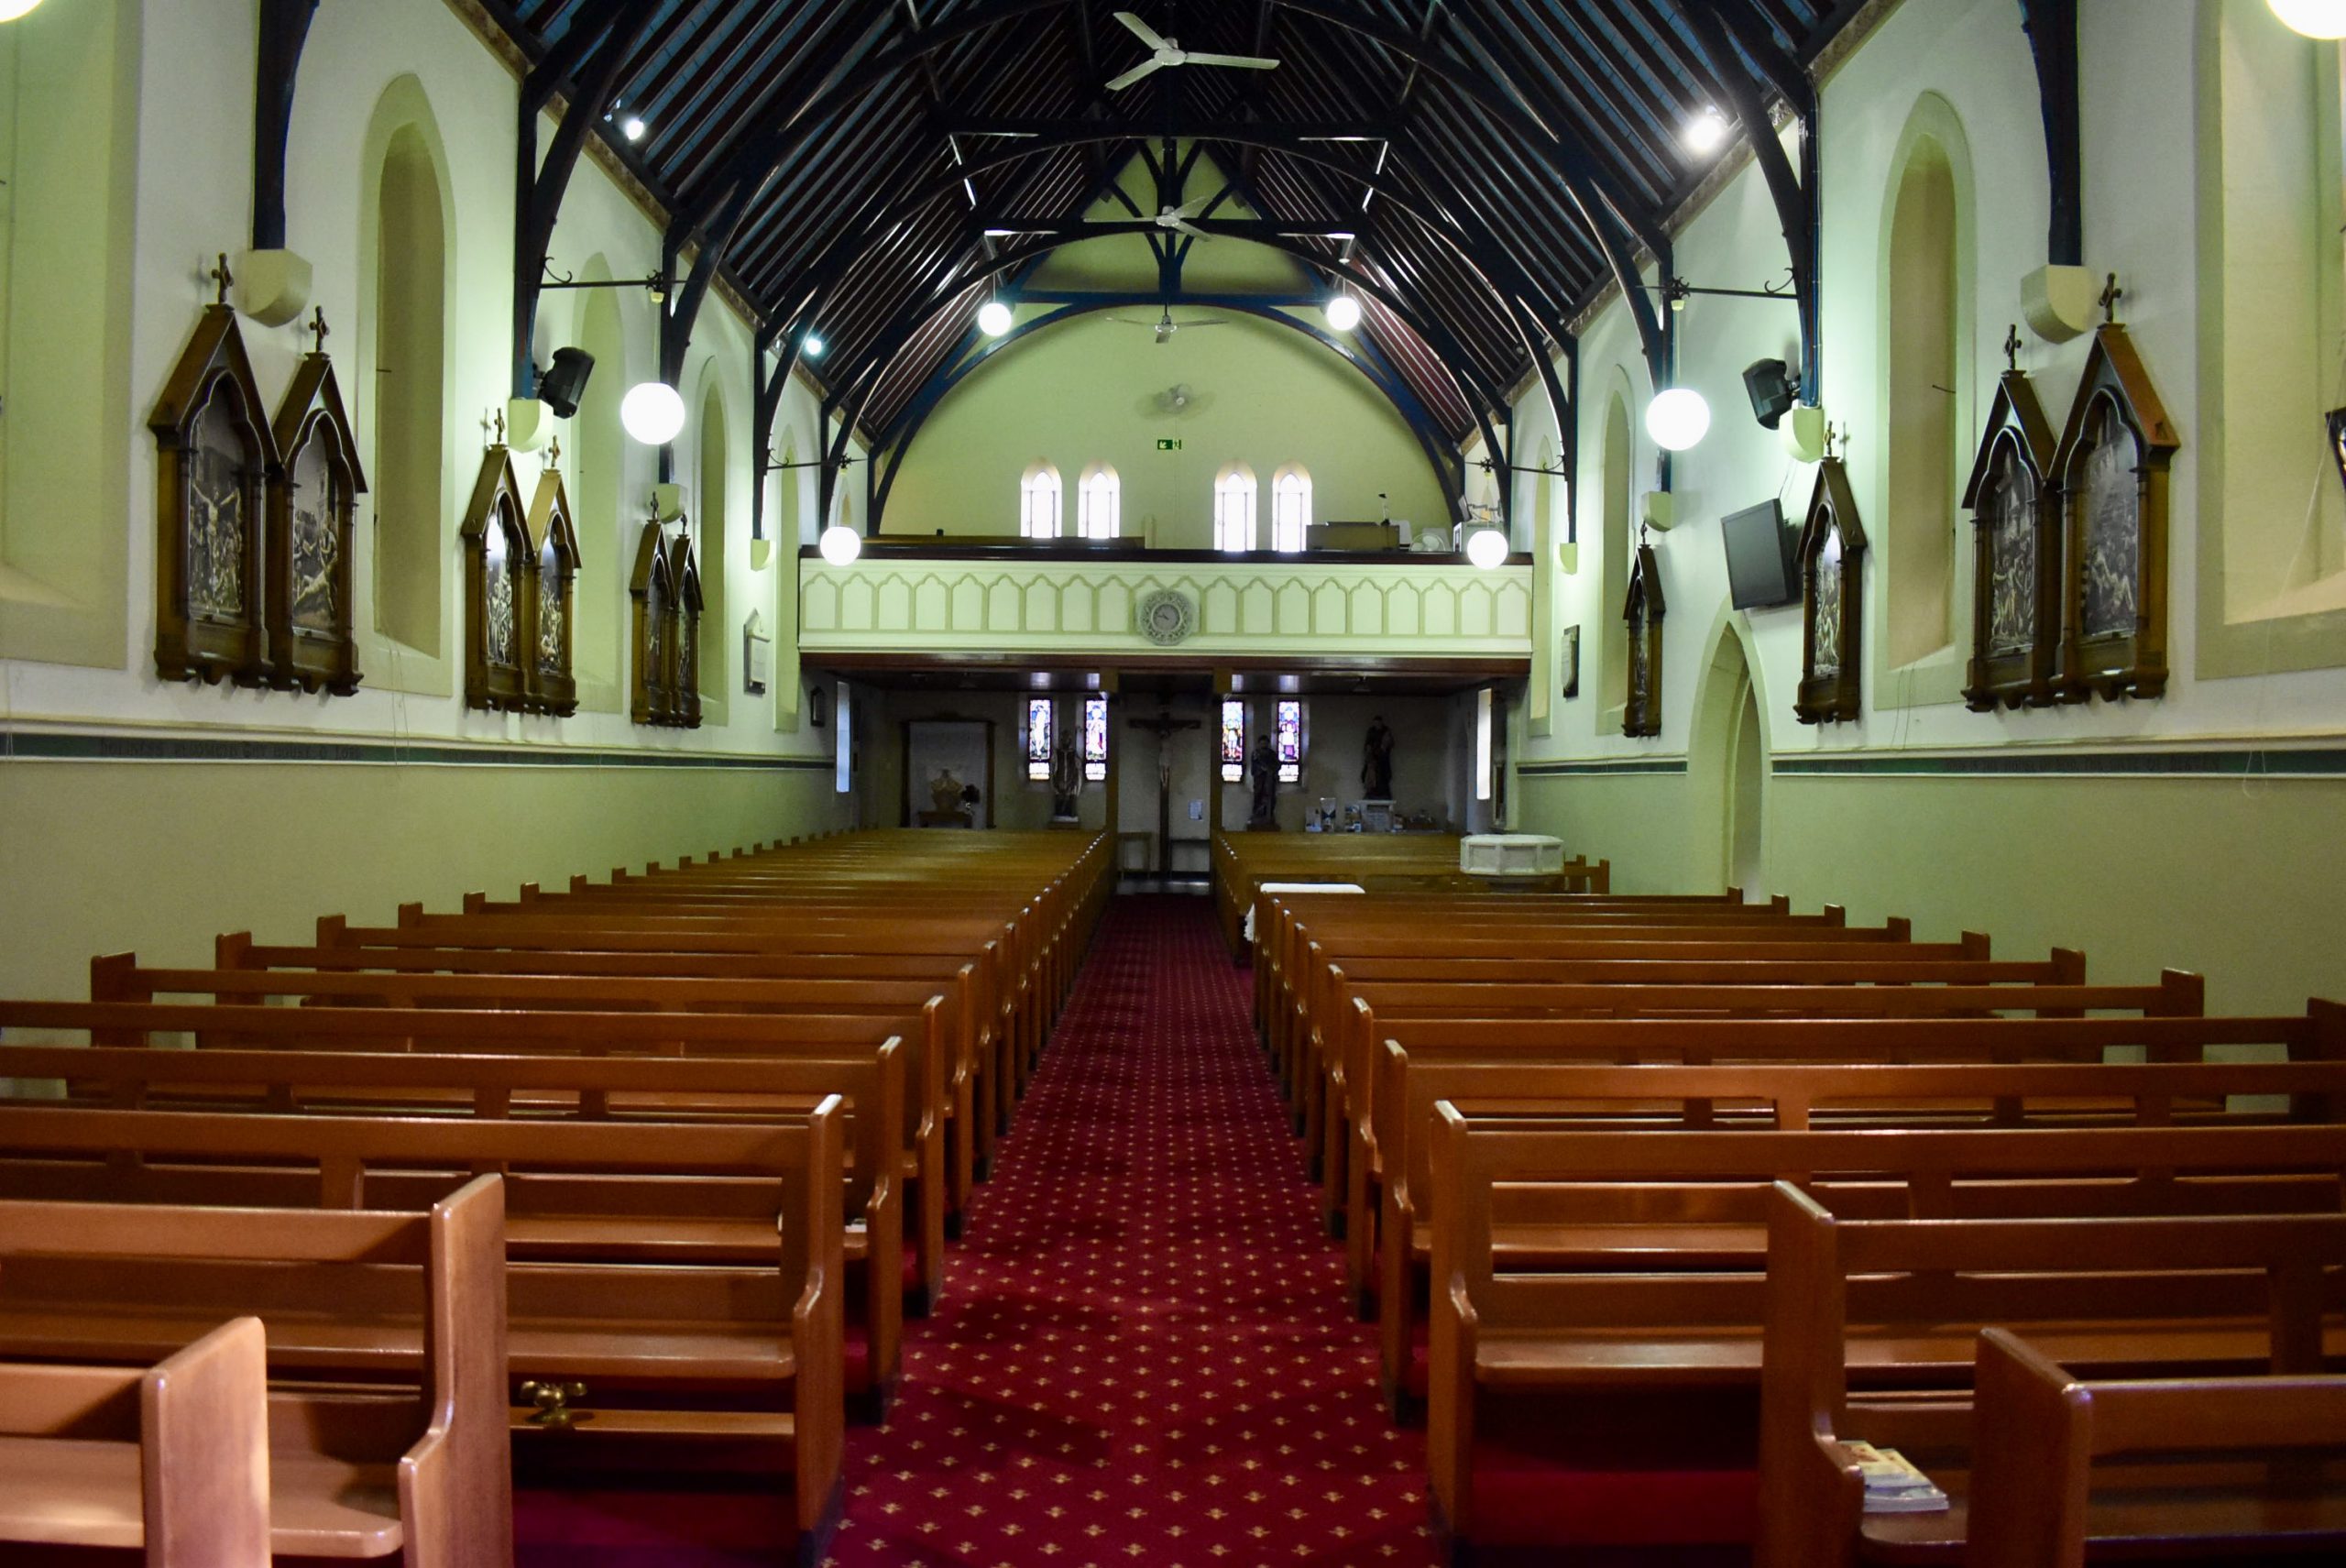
point(1087, 391)
point(2199, 870)
point(177, 138)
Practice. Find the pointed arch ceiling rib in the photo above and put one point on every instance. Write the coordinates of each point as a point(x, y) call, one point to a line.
point(1493, 162)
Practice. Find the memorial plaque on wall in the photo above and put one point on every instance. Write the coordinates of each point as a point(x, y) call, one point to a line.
point(215, 460)
point(1831, 555)
point(2015, 554)
point(2111, 471)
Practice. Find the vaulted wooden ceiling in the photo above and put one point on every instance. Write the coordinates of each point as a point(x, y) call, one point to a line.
point(1493, 162)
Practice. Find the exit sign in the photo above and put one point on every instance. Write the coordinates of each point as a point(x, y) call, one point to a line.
point(1169, 444)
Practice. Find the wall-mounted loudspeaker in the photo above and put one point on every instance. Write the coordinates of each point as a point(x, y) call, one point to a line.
point(1772, 387)
point(565, 381)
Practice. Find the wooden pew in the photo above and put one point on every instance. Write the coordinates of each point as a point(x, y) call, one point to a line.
point(1609, 1398)
point(172, 1462)
point(1871, 1325)
point(2037, 1492)
point(388, 1435)
point(711, 1219)
point(509, 1032)
point(696, 1354)
point(1781, 1096)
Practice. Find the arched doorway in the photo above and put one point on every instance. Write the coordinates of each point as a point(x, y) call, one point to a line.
point(1727, 764)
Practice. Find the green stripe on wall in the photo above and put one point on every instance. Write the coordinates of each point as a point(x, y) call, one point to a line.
point(86, 746)
point(1599, 765)
point(2294, 762)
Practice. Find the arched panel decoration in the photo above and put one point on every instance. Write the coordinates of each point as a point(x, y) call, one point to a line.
point(683, 671)
point(666, 595)
point(2015, 554)
point(313, 631)
point(216, 459)
point(554, 679)
point(1643, 610)
point(1831, 553)
point(2111, 469)
point(500, 590)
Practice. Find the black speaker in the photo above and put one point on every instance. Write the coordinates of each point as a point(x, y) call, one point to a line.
point(1772, 387)
point(565, 381)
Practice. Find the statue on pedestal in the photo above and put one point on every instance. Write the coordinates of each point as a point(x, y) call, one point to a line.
point(945, 791)
point(1377, 761)
point(1265, 766)
point(1066, 780)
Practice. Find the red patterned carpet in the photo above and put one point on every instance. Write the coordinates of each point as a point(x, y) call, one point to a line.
point(1146, 1355)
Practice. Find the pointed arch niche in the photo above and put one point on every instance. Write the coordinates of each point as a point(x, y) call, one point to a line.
point(1926, 294)
point(1727, 763)
point(1614, 498)
point(408, 219)
point(713, 496)
point(604, 517)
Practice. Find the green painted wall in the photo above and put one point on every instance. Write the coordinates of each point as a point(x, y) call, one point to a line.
point(158, 857)
point(2239, 881)
point(1088, 391)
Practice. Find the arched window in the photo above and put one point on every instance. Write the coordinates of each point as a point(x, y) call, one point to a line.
point(1097, 501)
point(1233, 508)
point(712, 498)
point(608, 525)
point(1291, 507)
point(1618, 458)
point(411, 313)
point(1923, 370)
point(1038, 503)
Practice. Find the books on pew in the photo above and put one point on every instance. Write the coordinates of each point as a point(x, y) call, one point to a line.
point(1892, 1484)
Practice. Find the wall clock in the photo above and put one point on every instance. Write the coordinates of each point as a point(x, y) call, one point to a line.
point(1165, 616)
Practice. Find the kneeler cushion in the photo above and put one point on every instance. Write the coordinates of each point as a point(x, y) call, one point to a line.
point(1616, 1469)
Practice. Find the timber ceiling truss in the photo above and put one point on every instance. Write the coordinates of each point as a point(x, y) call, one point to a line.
point(868, 171)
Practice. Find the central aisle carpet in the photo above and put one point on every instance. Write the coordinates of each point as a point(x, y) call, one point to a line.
point(1146, 1355)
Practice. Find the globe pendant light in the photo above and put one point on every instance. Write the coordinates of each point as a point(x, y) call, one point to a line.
point(2314, 18)
point(654, 412)
point(841, 544)
point(12, 10)
point(1343, 312)
point(1678, 418)
point(993, 318)
point(1487, 547)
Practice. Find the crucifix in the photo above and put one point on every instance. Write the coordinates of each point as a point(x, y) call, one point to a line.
point(1163, 726)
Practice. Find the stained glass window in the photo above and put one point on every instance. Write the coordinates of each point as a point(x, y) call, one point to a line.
point(1039, 739)
point(1095, 738)
point(1234, 741)
point(1290, 742)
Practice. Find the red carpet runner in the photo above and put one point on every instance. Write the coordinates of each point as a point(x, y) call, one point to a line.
point(1145, 1355)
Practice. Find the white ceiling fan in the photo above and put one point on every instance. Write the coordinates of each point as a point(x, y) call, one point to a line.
point(1165, 51)
point(1165, 326)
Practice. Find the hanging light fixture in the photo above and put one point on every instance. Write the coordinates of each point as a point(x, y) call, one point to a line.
point(1678, 418)
point(1705, 132)
point(654, 412)
point(12, 10)
point(993, 318)
point(1343, 312)
point(1487, 547)
point(841, 544)
point(2314, 18)
point(814, 347)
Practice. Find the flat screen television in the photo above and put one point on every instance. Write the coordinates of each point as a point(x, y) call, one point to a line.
point(1759, 557)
